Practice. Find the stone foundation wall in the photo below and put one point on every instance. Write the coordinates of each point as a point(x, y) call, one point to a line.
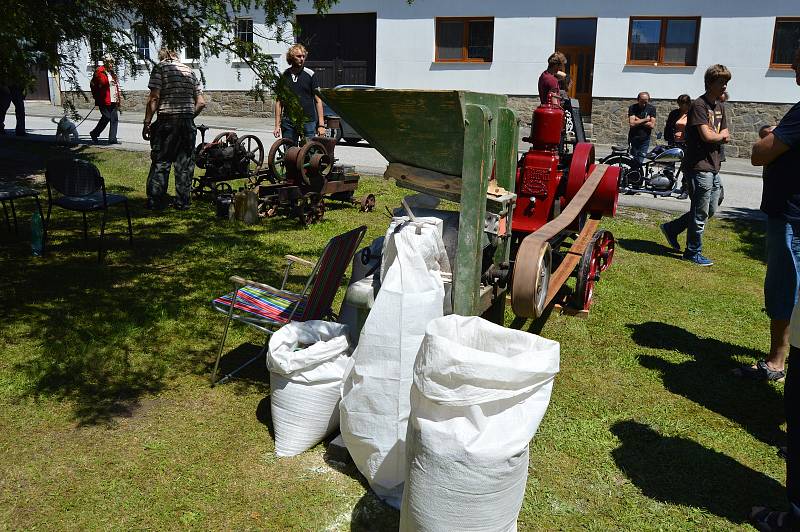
point(610, 121)
point(218, 103)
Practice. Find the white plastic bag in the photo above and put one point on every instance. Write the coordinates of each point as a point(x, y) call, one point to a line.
point(306, 361)
point(479, 393)
point(375, 392)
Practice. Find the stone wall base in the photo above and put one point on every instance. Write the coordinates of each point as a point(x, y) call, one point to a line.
point(610, 121)
point(218, 103)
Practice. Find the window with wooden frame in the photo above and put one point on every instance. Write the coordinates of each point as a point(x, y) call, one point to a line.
point(663, 41)
point(785, 42)
point(244, 29)
point(141, 39)
point(464, 40)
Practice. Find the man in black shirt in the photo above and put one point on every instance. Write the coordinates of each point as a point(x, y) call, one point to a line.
point(302, 83)
point(706, 131)
point(642, 119)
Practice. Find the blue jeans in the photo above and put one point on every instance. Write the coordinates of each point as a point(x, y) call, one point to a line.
point(289, 130)
point(639, 149)
point(704, 190)
point(783, 268)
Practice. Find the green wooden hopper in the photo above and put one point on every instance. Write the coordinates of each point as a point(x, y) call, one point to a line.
point(456, 145)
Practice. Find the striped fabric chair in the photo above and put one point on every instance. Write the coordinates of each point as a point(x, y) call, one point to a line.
point(267, 309)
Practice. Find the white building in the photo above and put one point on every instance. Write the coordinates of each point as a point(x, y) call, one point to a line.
point(615, 49)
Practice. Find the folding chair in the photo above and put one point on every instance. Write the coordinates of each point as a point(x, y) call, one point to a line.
point(267, 309)
point(81, 188)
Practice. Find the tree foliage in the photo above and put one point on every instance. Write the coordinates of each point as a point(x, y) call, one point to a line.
point(49, 32)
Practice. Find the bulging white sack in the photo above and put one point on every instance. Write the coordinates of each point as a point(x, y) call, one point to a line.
point(306, 362)
point(479, 393)
point(375, 392)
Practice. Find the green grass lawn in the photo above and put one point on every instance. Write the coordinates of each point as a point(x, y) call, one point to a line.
point(108, 421)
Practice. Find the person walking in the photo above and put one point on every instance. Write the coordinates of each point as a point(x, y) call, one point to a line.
point(107, 97)
point(176, 96)
point(302, 83)
point(12, 93)
point(706, 131)
point(778, 152)
point(642, 120)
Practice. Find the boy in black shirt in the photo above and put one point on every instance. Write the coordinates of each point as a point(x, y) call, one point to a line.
point(706, 131)
point(303, 83)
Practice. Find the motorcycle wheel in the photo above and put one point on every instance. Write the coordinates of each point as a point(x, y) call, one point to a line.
point(629, 175)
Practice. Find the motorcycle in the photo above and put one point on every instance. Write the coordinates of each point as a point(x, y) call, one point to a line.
point(657, 175)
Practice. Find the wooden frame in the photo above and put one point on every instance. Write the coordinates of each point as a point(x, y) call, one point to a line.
point(772, 63)
point(662, 41)
point(464, 39)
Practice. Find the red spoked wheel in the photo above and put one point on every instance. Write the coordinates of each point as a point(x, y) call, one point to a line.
point(596, 259)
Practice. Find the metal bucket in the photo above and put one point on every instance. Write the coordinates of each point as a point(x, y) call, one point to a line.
point(223, 205)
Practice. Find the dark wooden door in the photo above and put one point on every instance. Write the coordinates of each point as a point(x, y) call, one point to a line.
point(580, 66)
point(341, 48)
point(40, 89)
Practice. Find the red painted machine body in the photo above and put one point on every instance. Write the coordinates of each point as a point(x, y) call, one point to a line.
point(541, 195)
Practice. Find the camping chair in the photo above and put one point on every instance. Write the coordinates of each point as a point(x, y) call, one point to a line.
point(81, 188)
point(267, 309)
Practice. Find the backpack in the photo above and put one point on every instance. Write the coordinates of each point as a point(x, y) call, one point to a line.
point(96, 88)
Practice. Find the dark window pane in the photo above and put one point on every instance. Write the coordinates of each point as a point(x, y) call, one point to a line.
point(787, 40)
point(680, 44)
point(244, 29)
point(193, 48)
point(645, 35)
point(576, 32)
point(95, 49)
point(449, 39)
point(142, 43)
point(480, 34)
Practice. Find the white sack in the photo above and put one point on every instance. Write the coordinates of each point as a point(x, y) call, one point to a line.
point(306, 361)
point(479, 393)
point(375, 392)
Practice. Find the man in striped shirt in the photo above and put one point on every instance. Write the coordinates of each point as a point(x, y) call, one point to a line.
point(175, 94)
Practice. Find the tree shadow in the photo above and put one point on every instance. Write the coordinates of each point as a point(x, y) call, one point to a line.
point(707, 380)
point(679, 471)
point(370, 514)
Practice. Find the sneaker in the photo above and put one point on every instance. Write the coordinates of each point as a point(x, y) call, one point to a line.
point(672, 240)
point(115, 141)
point(699, 260)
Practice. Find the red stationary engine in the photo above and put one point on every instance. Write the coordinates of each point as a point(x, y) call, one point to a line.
point(548, 176)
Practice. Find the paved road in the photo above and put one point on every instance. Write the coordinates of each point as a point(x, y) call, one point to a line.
point(742, 184)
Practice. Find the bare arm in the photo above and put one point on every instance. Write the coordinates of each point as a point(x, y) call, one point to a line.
point(278, 109)
point(150, 109)
point(650, 122)
point(199, 104)
point(633, 121)
point(710, 136)
point(320, 114)
point(767, 150)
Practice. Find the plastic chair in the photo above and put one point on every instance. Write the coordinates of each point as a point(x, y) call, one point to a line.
point(267, 308)
point(80, 187)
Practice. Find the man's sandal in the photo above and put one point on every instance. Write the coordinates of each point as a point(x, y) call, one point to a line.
point(761, 372)
point(767, 520)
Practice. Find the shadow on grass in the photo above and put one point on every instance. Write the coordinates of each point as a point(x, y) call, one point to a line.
point(680, 471)
point(752, 236)
point(645, 246)
point(707, 380)
point(107, 334)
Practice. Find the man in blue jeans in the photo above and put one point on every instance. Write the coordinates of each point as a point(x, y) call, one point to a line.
point(706, 132)
point(779, 152)
point(301, 83)
point(642, 120)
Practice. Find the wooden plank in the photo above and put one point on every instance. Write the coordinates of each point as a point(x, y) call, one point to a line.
point(476, 166)
point(428, 181)
point(571, 258)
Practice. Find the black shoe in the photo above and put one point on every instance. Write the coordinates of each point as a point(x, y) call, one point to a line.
point(180, 206)
point(115, 141)
point(94, 136)
point(155, 204)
